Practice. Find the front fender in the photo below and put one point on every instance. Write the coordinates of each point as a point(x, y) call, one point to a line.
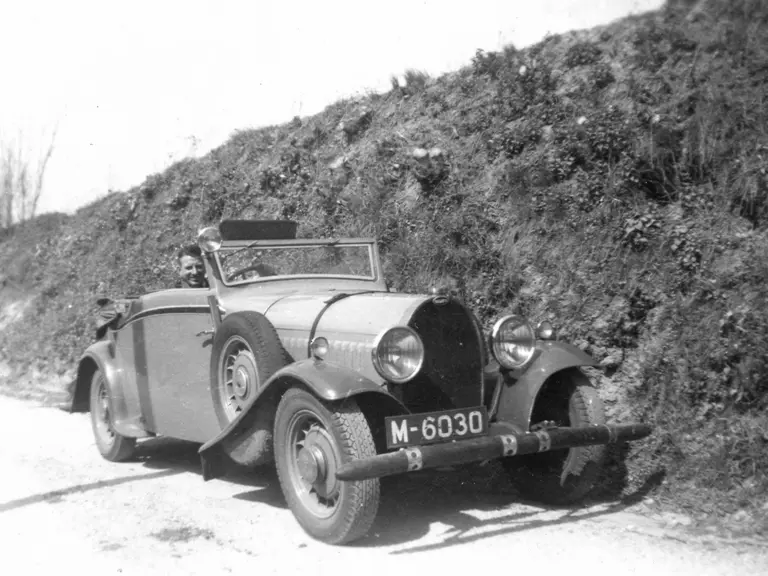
point(519, 390)
point(100, 356)
point(328, 381)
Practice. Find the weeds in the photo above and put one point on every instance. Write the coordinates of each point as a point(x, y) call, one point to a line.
point(630, 210)
point(582, 54)
point(414, 82)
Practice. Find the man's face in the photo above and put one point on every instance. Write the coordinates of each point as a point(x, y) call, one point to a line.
point(192, 271)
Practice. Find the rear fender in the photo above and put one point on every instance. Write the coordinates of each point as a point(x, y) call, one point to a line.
point(519, 390)
point(101, 356)
point(328, 381)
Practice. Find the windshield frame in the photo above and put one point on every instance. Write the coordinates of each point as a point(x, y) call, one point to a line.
point(230, 247)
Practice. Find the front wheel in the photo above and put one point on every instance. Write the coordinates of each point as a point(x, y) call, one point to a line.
point(561, 476)
point(112, 445)
point(312, 440)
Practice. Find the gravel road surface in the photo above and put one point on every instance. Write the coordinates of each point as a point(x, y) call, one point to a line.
point(63, 509)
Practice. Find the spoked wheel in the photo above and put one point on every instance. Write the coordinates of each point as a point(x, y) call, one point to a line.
point(246, 353)
point(561, 476)
point(111, 444)
point(239, 376)
point(312, 440)
point(312, 461)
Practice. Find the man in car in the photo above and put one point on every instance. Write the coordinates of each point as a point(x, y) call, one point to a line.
point(191, 268)
point(192, 274)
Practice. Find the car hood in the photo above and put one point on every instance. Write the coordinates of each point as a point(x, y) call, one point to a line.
point(349, 320)
point(356, 312)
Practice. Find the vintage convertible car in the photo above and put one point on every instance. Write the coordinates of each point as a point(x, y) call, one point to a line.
point(299, 354)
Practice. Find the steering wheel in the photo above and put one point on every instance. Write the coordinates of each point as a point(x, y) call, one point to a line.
point(261, 270)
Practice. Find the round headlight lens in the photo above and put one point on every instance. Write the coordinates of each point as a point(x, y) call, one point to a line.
point(209, 239)
point(513, 342)
point(398, 354)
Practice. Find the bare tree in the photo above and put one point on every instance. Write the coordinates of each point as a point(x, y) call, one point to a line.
point(21, 181)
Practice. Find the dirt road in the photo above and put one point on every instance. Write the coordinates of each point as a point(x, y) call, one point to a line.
point(65, 510)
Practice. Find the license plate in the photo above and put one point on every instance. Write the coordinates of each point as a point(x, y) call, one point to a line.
point(434, 427)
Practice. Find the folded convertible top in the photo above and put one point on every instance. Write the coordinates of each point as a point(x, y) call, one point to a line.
point(258, 229)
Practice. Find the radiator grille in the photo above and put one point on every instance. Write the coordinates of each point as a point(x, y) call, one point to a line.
point(452, 372)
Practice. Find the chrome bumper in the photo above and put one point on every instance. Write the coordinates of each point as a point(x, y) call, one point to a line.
point(487, 448)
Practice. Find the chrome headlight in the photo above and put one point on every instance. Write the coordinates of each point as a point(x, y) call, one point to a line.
point(398, 354)
point(513, 342)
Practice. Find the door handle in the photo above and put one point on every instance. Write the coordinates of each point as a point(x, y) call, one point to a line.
point(204, 332)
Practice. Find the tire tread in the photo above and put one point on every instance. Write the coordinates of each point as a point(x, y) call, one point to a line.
point(356, 442)
point(123, 447)
point(582, 466)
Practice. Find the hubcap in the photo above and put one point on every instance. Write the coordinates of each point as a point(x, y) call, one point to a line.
point(312, 459)
point(241, 382)
point(238, 376)
point(311, 464)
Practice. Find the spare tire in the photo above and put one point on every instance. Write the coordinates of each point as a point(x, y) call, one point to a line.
point(246, 353)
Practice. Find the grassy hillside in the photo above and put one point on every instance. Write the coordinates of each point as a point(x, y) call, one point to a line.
point(614, 180)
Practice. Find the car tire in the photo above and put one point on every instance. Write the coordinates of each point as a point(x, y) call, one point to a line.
point(312, 439)
point(249, 344)
point(561, 476)
point(111, 445)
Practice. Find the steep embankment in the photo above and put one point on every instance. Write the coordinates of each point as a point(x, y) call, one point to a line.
point(613, 180)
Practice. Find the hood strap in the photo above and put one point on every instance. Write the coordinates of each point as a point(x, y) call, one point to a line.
point(328, 303)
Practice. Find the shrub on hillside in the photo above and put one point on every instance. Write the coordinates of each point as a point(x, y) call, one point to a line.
point(632, 208)
point(414, 82)
point(487, 63)
point(582, 54)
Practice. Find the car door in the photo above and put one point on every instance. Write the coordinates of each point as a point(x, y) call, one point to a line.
point(172, 350)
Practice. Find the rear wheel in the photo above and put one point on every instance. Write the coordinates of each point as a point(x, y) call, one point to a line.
point(561, 476)
point(312, 440)
point(112, 445)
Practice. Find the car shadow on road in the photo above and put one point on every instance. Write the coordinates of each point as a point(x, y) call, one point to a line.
point(269, 491)
point(169, 453)
point(55, 496)
point(412, 503)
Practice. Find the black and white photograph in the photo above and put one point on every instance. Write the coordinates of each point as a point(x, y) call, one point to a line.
point(406, 287)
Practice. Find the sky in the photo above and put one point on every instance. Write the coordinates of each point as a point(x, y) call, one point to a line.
point(131, 87)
